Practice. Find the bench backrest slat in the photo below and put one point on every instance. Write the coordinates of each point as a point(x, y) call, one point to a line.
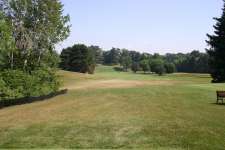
point(220, 93)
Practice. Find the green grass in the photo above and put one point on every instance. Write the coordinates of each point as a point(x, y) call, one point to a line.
point(180, 115)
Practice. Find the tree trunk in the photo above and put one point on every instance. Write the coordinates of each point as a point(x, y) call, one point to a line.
point(11, 60)
point(24, 64)
point(39, 59)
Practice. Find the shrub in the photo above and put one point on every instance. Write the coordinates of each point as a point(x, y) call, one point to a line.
point(3, 88)
point(46, 82)
point(19, 84)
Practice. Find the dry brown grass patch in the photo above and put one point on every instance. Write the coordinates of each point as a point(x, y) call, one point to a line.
point(116, 83)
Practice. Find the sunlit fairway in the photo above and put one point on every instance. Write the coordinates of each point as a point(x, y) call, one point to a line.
point(113, 109)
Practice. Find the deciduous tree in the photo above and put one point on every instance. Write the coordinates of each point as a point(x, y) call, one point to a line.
point(125, 60)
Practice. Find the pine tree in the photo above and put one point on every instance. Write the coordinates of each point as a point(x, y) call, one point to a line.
point(78, 58)
point(217, 50)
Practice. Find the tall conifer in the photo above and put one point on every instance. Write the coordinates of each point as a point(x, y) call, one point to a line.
point(217, 49)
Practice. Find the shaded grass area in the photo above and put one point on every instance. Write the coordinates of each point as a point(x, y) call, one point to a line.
point(170, 116)
point(26, 100)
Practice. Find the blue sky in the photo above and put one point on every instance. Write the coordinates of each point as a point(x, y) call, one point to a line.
point(154, 26)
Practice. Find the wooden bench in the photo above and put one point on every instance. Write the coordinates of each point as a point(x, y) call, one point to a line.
point(220, 96)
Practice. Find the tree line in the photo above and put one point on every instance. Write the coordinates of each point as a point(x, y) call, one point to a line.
point(81, 58)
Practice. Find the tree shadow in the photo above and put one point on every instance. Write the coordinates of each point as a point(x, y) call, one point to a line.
point(118, 69)
point(204, 77)
point(27, 100)
point(219, 104)
point(144, 73)
point(150, 73)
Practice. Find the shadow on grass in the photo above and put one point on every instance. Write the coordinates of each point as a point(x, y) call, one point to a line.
point(219, 104)
point(27, 100)
point(119, 69)
point(206, 77)
point(151, 73)
point(145, 73)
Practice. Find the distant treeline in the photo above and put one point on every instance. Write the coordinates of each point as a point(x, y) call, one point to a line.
point(194, 62)
point(81, 58)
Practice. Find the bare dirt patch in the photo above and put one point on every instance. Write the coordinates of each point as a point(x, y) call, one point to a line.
point(103, 84)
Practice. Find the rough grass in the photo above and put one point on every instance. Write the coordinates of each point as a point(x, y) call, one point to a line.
point(115, 83)
point(121, 110)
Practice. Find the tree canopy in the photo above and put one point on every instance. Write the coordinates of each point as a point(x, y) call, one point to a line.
point(112, 56)
point(193, 62)
point(78, 58)
point(217, 49)
point(97, 53)
point(36, 26)
point(125, 60)
point(29, 31)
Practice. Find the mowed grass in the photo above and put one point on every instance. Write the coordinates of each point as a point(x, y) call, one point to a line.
point(121, 110)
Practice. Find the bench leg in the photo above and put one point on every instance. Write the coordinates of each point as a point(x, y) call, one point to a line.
point(220, 99)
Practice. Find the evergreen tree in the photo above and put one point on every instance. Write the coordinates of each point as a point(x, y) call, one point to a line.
point(135, 56)
point(97, 53)
point(112, 57)
point(78, 58)
point(217, 50)
point(65, 61)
